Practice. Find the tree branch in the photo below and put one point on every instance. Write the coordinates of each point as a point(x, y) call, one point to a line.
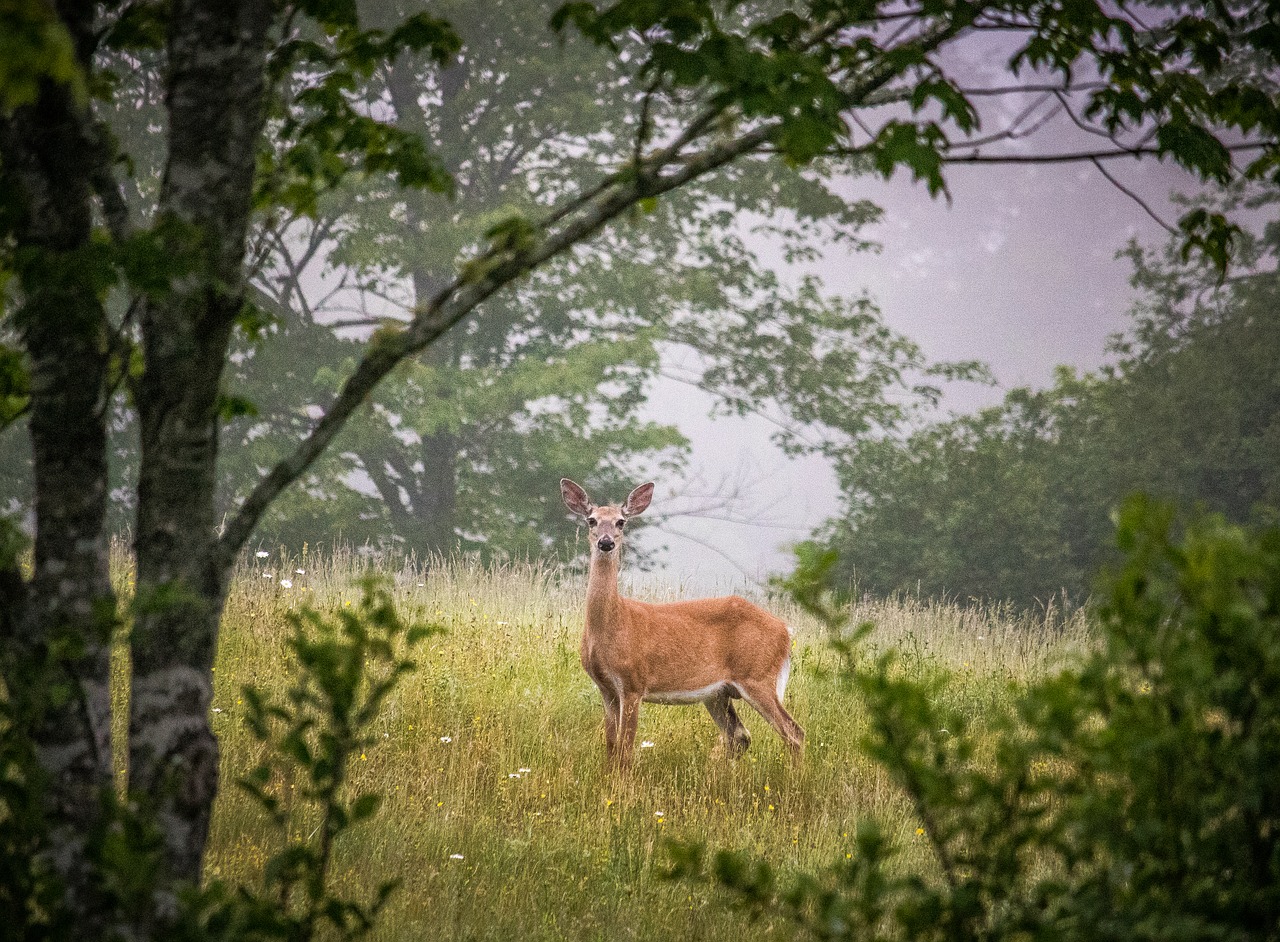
point(1073, 157)
point(706, 544)
point(498, 266)
point(1000, 90)
point(1134, 196)
point(115, 211)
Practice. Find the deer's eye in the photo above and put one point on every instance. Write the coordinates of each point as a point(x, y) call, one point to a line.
point(621, 524)
point(591, 521)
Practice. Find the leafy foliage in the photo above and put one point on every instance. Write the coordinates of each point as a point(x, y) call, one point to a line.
point(34, 47)
point(28, 890)
point(1130, 796)
point(346, 666)
point(248, 122)
point(553, 379)
point(1178, 77)
point(1015, 502)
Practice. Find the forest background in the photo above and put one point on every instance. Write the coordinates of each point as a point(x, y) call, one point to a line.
point(681, 348)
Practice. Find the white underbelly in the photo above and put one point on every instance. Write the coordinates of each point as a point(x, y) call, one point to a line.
point(700, 695)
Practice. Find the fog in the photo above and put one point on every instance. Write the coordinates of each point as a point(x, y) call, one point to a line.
point(1019, 271)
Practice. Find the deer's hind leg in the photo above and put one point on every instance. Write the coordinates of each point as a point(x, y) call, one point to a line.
point(764, 699)
point(736, 736)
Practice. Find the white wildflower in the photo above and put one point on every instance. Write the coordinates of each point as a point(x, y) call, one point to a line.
point(456, 857)
point(522, 770)
point(647, 744)
point(513, 775)
point(446, 739)
point(266, 575)
point(300, 572)
point(286, 583)
point(262, 554)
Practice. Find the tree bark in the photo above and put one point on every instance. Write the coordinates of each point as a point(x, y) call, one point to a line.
point(436, 503)
point(216, 55)
point(56, 644)
point(435, 496)
point(422, 506)
point(431, 519)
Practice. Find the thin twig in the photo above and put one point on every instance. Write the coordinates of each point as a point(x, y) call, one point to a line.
point(1134, 196)
point(1074, 157)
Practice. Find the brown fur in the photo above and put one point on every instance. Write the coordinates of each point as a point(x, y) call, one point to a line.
point(712, 650)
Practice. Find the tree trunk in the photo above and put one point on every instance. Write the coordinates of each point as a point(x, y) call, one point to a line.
point(435, 498)
point(436, 503)
point(57, 643)
point(215, 93)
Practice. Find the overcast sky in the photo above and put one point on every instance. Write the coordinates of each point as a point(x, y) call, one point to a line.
point(1019, 271)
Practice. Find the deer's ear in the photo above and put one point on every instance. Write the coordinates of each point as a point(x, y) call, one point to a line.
point(638, 500)
point(575, 498)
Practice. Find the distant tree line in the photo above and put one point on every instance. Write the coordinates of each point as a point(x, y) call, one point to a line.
point(1016, 502)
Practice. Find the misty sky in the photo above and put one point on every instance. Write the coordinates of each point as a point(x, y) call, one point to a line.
point(1019, 271)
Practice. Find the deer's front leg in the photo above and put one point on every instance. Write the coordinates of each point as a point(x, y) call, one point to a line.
point(612, 722)
point(626, 747)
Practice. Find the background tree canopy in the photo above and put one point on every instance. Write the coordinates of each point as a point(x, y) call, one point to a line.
point(1016, 502)
point(459, 443)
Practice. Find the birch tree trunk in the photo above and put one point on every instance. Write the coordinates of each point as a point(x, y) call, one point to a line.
point(216, 55)
point(59, 623)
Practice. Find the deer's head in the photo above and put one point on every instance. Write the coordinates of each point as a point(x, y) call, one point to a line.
point(605, 524)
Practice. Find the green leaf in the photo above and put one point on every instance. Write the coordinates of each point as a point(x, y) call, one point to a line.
point(232, 407)
point(365, 807)
point(1210, 234)
point(34, 46)
point(422, 31)
point(15, 384)
point(1195, 148)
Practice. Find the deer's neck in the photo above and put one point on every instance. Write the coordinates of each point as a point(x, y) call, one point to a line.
point(604, 605)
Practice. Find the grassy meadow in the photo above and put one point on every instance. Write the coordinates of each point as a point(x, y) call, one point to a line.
point(501, 820)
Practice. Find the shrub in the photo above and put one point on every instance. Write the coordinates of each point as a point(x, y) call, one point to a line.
point(1134, 795)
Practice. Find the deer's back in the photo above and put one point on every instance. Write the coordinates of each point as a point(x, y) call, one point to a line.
point(694, 648)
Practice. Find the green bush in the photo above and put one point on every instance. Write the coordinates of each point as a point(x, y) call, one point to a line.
point(1134, 795)
point(344, 668)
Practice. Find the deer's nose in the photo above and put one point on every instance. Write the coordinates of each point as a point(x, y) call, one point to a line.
point(606, 543)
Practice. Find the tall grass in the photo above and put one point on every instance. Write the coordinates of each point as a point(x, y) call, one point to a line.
point(501, 819)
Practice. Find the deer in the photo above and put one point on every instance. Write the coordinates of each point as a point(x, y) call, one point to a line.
point(708, 651)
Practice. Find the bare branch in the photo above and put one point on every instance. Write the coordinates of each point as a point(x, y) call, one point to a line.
point(767, 524)
point(645, 122)
point(1014, 131)
point(1073, 157)
point(705, 544)
point(1133, 196)
point(753, 409)
point(1084, 125)
point(1001, 90)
